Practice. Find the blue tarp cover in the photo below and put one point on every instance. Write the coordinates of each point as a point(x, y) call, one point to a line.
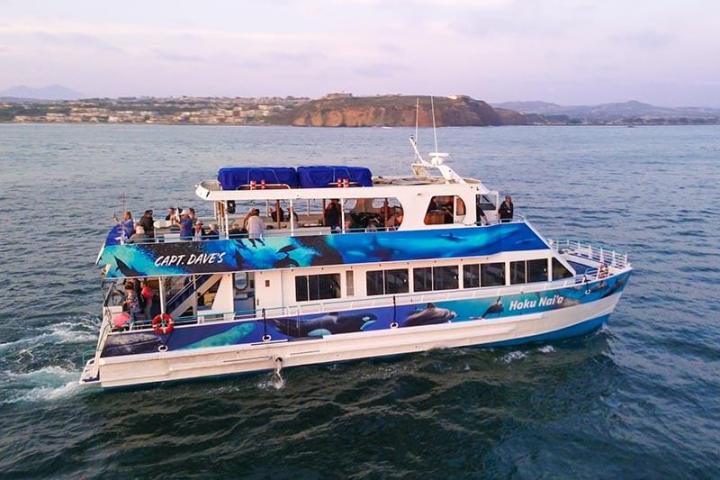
point(231, 178)
point(326, 176)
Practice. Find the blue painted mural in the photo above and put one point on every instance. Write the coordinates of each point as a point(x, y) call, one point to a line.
point(362, 320)
point(221, 256)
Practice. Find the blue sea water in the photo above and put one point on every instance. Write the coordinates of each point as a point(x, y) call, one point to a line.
point(638, 399)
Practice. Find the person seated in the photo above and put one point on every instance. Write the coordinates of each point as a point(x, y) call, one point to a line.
point(198, 231)
point(212, 233)
point(276, 215)
point(139, 236)
point(172, 217)
point(236, 229)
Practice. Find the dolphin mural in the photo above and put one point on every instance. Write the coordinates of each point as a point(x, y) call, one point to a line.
point(328, 324)
point(430, 315)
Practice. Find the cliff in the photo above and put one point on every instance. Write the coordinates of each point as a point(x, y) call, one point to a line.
point(396, 111)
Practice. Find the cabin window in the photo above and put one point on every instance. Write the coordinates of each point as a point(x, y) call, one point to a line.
point(492, 274)
point(372, 214)
point(528, 271)
point(445, 278)
point(471, 276)
point(422, 279)
point(559, 270)
point(387, 282)
point(349, 283)
point(517, 272)
point(317, 287)
point(374, 282)
point(445, 209)
point(537, 270)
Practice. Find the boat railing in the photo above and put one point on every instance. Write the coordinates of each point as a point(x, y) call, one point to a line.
point(300, 231)
point(400, 299)
point(599, 254)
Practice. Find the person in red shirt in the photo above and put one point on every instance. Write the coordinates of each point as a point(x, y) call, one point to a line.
point(147, 294)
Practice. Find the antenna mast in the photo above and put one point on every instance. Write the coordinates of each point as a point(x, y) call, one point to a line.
point(432, 107)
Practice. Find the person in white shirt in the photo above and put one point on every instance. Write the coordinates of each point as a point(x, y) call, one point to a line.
point(255, 227)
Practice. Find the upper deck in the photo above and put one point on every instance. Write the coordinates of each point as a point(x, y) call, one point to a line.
point(330, 217)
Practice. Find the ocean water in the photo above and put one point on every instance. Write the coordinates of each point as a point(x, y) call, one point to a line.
point(638, 399)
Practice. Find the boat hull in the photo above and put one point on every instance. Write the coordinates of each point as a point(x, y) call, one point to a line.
point(548, 325)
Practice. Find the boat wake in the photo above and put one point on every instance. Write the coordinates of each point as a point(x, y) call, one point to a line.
point(82, 329)
point(45, 384)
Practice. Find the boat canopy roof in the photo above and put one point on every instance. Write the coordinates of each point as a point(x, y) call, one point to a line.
point(243, 178)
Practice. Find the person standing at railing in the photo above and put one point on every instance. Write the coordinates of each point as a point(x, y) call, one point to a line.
point(255, 227)
point(186, 226)
point(147, 295)
point(148, 223)
point(507, 209)
point(127, 224)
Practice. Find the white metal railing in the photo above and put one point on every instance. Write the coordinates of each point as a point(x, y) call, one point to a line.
point(602, 255)
point(419, 298)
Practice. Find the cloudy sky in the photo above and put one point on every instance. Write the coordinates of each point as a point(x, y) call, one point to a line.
point(665, 52)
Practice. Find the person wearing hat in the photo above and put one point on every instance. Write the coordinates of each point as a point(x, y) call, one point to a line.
point(198, 232)
point(186, 225)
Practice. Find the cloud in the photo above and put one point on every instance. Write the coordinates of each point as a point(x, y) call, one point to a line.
point(177, 57)
point(380, 70)
point(647, 39)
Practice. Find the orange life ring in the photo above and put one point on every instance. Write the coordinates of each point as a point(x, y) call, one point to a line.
point(163, 324)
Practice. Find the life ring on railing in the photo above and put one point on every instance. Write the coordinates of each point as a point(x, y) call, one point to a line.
point(163, 324)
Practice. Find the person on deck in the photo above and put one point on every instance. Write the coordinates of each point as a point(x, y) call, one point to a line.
point(480, 218)
point(131, 304)
point(198, 232)
point(277, 216)
point(332, 215)
point(506, 209)
point(255, 227)
point(127, 224)
point(147, 295)
point(213, 233)
point(172, 217)
point(148, 223)
point(139, 236)
point(186, 226)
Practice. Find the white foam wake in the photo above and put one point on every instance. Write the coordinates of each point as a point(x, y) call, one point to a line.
point(45, 384)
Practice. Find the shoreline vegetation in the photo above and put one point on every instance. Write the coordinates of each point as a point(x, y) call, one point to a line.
point(342, 110)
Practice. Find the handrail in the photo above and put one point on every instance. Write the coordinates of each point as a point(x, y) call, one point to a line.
point(600, 254)
point(410, 298)
point(300, 231)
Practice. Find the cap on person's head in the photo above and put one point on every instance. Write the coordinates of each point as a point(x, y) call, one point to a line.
point(185, 212)
point(198, 222)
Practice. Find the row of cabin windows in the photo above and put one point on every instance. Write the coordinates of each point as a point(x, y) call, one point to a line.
point(425, 279)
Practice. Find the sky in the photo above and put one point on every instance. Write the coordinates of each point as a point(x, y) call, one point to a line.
point(564, 51)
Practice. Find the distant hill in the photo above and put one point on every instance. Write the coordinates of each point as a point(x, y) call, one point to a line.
point(50, 92)
point(609, 112)
point(396, 110)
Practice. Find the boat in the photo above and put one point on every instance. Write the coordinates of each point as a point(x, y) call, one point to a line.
point(347, 265)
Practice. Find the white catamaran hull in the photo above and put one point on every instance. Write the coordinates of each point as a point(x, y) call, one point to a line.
point(166, 366)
